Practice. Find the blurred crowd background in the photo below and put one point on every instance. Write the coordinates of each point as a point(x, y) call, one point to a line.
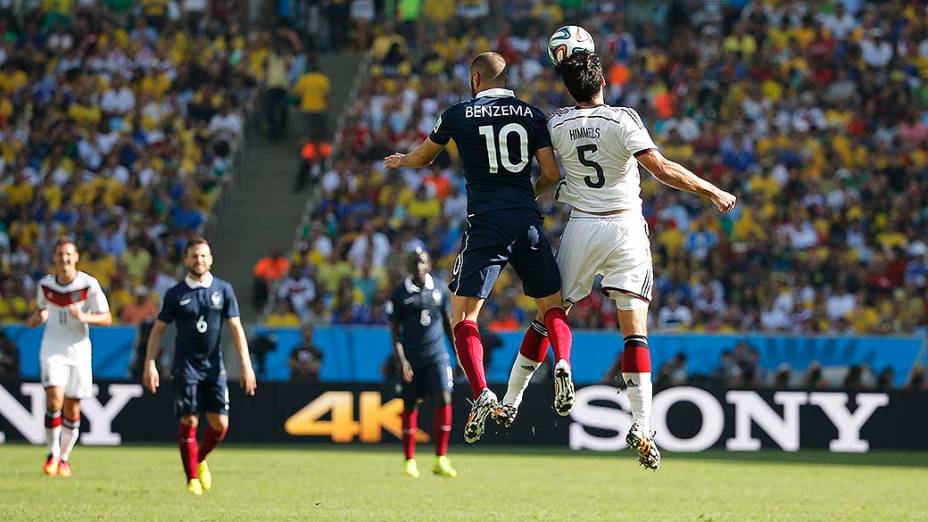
point(120, 125)
point(812, 113)
point(123, 124)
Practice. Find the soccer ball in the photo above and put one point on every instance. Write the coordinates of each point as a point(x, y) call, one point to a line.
point(566, 41)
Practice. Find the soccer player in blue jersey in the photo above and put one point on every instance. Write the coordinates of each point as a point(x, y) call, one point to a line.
point(497, 135)
point(419, 324)
point(199, 305)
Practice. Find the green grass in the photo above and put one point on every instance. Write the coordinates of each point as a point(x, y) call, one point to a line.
point(352, 483)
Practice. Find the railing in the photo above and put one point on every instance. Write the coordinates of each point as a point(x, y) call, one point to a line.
point(242, 150)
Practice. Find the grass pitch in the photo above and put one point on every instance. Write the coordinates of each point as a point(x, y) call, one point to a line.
point(351, 483)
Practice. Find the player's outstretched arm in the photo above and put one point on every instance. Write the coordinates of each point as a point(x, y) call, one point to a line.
point(421, 156)
point(249, 383)
point(37, 318)
point(150, 377)
point(679, 177)
point(550, 173)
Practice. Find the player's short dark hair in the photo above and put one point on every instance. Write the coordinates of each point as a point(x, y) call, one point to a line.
point(491, 67)
point(197, 241)
point(582, 73)
point(64, 240)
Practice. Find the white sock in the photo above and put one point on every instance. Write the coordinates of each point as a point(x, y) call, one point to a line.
point(69, 433)
point(53, 436)
point(639, 394)
point(519, 377)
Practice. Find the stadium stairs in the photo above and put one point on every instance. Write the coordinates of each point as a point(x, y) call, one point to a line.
point(265, 210)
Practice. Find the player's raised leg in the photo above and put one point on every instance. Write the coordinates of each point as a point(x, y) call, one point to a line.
point(561, 339)
point(54, 400)
point(469, 349)
point(531, 355)
point(636, 373)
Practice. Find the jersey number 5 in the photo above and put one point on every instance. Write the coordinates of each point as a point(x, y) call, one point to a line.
point(505, 156)
point(600, 179)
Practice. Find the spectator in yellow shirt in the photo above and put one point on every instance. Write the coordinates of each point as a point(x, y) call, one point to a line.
point(313, 90)
point(282, 315)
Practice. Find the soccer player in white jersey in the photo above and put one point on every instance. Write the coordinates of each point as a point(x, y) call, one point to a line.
point(68, 302)
point(601, 148)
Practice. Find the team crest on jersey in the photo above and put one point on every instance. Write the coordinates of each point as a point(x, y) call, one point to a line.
point(436, 295)
point(215, 299)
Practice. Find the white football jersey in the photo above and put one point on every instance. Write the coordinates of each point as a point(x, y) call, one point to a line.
point(597, 147)
point(63, 333)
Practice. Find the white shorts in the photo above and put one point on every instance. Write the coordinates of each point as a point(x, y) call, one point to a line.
point(74, 376)
point(615, 247)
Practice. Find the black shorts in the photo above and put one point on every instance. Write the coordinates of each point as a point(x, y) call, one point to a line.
point(427, 381)
point(195, 396)
point(495, 238)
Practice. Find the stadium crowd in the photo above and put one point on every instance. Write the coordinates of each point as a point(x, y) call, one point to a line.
point(119, 123)
point(813, 114)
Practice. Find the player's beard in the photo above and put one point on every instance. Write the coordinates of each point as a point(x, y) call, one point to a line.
point(199, 270)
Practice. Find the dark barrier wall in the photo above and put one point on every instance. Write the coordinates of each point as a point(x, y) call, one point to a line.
point(685, 418)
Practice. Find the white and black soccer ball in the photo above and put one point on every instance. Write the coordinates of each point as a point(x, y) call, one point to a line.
point(566, 41)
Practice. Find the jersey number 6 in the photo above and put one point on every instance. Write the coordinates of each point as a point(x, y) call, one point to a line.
point(600, 176)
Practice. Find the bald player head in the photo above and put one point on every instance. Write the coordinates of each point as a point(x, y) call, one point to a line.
point(487, 71)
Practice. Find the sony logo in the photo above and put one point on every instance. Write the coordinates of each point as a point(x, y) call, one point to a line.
point(750, 409)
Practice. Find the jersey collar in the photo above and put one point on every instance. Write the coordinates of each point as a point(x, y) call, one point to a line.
point(205, 283)
point(498, 92)
point(412, 288)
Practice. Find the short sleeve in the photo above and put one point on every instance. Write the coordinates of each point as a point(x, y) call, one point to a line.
point(539, 130)
point(636, 138)
point(443, 129)
point(231, 307)
point(40, 301)
point(97, 299)
point(168, 308)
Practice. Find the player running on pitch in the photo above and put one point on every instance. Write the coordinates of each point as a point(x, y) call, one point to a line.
point(67, 302)
point(199, 304)
point(419, 322)
point(601, 147)
point(497, 134)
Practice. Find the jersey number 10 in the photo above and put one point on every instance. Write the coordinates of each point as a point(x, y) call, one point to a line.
point(504, 155)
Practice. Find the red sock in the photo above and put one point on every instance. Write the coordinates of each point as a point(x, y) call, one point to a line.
point(442, 428)
point(470, 354)
point(187, 442)
point(559, 333)
point(410, 427)
point(211, 439)
point(636, 358)
point(535, 343)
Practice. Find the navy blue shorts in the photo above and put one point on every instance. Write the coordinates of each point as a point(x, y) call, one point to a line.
point(495, 238)
point(427, 381)
point(194, 396)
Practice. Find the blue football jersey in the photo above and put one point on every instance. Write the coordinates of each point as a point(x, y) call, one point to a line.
point(199, 310)
point(420, 313)
point(497, 135)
